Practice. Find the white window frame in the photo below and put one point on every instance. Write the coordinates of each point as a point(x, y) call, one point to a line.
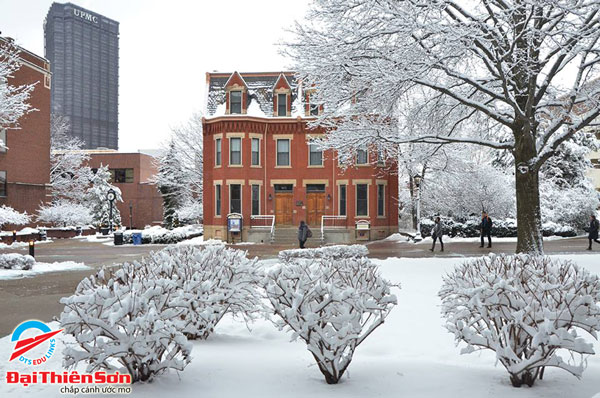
point(219, 146)
point(340, 200)
point(252, 152)
point(241, 102)
point(241, 197)
point(219, 202)
point(252, 199)
point(309, 159)
point(277, 152)
point(241, 152)
point(382, 201)
point(356, 200)
point(286, 104)
point(366, 156)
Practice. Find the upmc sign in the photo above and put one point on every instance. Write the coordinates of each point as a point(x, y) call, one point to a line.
point(85, 15)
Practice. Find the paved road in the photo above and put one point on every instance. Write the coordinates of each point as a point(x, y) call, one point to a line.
point(37, 297)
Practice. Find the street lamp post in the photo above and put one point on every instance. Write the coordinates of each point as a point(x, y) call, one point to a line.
point(417, 181)
point(111, 195)
point(130, 215)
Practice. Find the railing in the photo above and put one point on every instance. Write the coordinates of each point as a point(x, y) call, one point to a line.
point(334, 224)
point(264, 222)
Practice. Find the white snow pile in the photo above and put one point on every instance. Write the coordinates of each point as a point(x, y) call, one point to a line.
point(137, 319)
point(338, 251)
point(332, 304)
point(16, 261)
point(525, 309)
point(8, 215)
point(160, 235)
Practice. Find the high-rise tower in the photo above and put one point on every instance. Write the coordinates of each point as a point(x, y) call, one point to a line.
point(83, 50)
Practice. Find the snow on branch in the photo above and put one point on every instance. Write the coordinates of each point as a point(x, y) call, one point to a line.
point(14, 100)
point(527, 309)
point(332, 304)
point(8, 215)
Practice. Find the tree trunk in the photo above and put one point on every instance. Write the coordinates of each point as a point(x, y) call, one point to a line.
point(527, 184)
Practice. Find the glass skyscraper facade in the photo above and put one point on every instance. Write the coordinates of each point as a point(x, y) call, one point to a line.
point(83, 49)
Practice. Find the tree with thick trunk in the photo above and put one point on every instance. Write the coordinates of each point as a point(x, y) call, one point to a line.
point(512, 75)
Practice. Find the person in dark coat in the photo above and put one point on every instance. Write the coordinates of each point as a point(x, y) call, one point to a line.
point(436, 233)
point(486, 228)
point(303, 234)
point(593, 234)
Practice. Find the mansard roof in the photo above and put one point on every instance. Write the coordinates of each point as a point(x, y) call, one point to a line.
point(260, 87)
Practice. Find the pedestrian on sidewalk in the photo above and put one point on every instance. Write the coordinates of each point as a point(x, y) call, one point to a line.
point(593, 234)
point(486, 229)
point(303, 234)
point(436, 233)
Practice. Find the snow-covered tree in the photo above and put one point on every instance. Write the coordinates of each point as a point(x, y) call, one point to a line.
point(8, 215)
point(527, 309)
point(64, 213)
point(96, 201)
point(515, 75)
point(332, 304)
point(172, 181)
point(14, 100)
point(180, 174)
point(69, 171)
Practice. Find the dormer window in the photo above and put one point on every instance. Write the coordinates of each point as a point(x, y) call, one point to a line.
point(235, 102)
point(281, 104)
point(313, 109)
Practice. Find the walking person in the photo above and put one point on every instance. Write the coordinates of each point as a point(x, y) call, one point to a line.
point(303, 234)
point(486, 229)
point(593, 234)
point(436, 233)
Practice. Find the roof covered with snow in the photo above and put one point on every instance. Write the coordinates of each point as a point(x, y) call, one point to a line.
point(261, 91)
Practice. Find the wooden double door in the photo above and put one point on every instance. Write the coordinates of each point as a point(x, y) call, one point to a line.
point(315, 208)
point(284, 208)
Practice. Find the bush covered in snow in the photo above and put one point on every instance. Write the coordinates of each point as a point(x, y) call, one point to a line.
point(332, 304)
point(16, 261)
point(65, 213)
point(139, 316)
point(338, 251)
point(525, 309)
point(160, 235)
point(8, 215)
point(500, 228)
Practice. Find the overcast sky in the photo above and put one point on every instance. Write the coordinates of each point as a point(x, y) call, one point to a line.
point(166, 47)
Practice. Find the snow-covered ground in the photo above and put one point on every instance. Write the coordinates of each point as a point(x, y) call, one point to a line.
point(40, 268)
point(410, 355)
point(19, 245)
point(447, 239)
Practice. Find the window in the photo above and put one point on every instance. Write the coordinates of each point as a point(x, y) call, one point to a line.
point(380, 157)
point(255, 200)
point(217, 200)
point(342, 209)
point(361, 156)
point(281, 104)
point(218, 152)
point(255, 151)
point(380, 200)
point(313, 109)
point(283, 152)
point(3, 141)
point(121, 176)
point(235, 151)
point(235, 198)
point(595, 163)
point(235, 102)
point(315, 157)
point(362, 200)
point(2, 183)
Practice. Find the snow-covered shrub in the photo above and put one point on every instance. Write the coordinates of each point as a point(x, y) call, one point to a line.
point(553, 229)
point(64, 213)
point(124, 320)
point(16, 261)
point(141, 316)
point(525, 309)
point(500, 228)
point(331, 304)
point(160, 235)
point(8, 215)
point(190, 212)
point(338, 251)
point(211, 281)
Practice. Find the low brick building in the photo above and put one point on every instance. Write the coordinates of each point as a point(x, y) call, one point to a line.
point(259, 162)
point(25, 161)
point(132, 173)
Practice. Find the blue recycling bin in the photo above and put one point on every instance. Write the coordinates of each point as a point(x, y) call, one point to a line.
point(137, 238)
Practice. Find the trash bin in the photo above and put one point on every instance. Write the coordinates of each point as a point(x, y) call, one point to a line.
point(118, 238)
point(43, 234)
point(137, 238)
point(79, 231)
point(104, 230)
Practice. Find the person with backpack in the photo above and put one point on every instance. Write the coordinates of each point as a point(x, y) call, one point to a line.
point(303, 234)
point(436, 233)
point(486, 229)
point(593, 233)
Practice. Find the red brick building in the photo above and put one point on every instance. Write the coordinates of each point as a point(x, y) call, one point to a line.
point(25, 162)
point(259, 162)
point(132, 173)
